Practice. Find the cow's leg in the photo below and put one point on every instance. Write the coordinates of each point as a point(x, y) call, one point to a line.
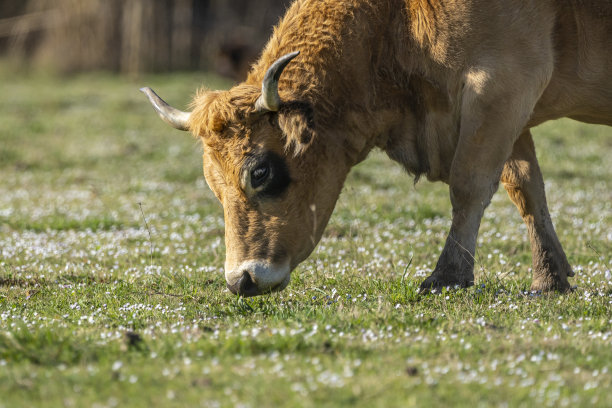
point(474, 178)
point(470, 193)
point(523, 181)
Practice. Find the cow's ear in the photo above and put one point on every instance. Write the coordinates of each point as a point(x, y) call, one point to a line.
point(296, 120)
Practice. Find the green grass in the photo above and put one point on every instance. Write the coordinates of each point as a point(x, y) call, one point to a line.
point(97, 310)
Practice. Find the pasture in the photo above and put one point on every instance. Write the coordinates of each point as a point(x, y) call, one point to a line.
point(112, 290)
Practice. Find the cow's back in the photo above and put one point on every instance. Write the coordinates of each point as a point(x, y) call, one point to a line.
point(580, 87)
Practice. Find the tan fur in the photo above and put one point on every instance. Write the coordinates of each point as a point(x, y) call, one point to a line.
point(447, 88)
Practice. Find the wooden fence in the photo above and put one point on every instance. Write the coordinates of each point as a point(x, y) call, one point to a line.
point(133, 36)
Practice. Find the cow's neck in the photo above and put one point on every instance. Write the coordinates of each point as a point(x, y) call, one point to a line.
point(363, 82)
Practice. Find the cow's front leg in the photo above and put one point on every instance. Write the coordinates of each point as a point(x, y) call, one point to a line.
point(470, 193)
point(523, 182)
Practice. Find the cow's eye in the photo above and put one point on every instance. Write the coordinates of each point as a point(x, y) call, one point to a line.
point(264, 176)
point(259, 175)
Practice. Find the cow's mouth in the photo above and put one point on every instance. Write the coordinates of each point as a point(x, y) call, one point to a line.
point(248, 289)
point(246, 286)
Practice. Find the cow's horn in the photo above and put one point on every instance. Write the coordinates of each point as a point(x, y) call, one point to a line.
point(172, 116)
point(269, 99)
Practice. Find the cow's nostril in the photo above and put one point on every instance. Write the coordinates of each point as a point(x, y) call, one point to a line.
point(246, 286)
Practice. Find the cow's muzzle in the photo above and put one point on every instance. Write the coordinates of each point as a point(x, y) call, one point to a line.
point(254, 278)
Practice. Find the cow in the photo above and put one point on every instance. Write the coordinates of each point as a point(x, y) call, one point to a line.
point(449, 89)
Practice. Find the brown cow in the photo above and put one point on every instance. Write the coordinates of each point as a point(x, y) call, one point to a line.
point(449, 89)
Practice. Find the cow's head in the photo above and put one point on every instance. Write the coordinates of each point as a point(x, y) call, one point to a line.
point(276, 179)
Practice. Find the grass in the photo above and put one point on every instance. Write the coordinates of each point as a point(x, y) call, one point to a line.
point(95, 312)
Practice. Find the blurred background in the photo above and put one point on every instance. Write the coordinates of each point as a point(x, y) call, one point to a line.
point(137, 36)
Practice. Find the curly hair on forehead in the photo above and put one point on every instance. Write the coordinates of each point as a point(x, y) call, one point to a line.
point(213, 111)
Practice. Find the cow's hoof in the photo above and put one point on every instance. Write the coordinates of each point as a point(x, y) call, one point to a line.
point(435, 283)
point(430, 285)
point(550, 284)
